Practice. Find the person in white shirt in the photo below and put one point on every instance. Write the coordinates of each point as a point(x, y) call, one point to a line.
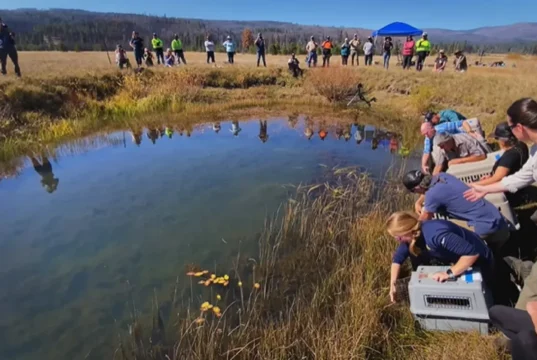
point(522, 119)
point(209, 48)
point(369, 48)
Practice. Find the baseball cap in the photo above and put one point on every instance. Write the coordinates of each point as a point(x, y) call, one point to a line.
point(412, 179)
point(425, 34)
point(441, 138)
point(502, 131)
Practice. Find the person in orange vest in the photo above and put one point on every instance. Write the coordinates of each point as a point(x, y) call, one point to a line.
point(327, 51)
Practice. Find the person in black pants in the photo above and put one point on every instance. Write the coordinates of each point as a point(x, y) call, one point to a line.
point(519, 327)
point(8, 49)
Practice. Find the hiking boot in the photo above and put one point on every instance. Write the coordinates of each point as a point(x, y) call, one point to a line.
point(503, 344)
point(521, 269)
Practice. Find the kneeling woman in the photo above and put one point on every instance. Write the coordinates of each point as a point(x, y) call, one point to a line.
point(437, 239)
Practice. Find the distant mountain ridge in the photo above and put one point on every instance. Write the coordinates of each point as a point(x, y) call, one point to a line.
point(79, 29)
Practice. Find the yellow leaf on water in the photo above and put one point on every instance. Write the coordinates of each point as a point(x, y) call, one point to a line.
point(190, 273)
point(201, 282)
point(205, 272)
point(207, 283)
point(226, 283)
point(217, 311)
point(200, 321)
point(239, 283)
point(213, 276)
point(198, 274)
point(218, 297)
point(226, 277)
point(257, 286)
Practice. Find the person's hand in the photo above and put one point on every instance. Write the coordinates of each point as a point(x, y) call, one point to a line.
point(393, 292)
point(441, 276)
point(485, 177)
point(425, 169)
point(418, 207)
point(475, 193)
point(454, 162)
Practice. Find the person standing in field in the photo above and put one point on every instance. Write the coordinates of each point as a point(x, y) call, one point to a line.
point(158, 47)
point(461, 64)
point(230, 50)
point(177, 48)
point(388, 46)
point(327, 51)
point(355, 46)
point(137, 45)
point(121, 58)
point(8, 49)
point(441, 62)
point(148, 57)
point(311, 49)
point(209, 48)
point(169, 59)
point(423, 49)
point(260, 45)
point(408, 52)
point(345, 52)
point(369, 48)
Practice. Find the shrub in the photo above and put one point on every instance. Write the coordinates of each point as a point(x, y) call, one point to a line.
point(335, 84)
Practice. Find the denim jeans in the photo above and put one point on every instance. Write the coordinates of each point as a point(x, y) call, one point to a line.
point(261, 55)
point(312, 58)
point(387, 57)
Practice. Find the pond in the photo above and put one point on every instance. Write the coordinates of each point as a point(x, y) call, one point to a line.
point(79, 222)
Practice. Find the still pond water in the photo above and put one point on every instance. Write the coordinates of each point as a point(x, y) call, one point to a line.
point(77, 224)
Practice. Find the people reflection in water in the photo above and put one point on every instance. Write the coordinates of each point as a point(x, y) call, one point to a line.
point(235, 128)
point(263, 131)
point(323, 134)
point(169, 132)
point(308, 130)
point(339, 132)
point(44, 169)
point(375, 142)
point(293, 120)
point(394, 144)
point(217, 127)
point(359, 134)
point(137, 136)
point(347, 132)
point(153, 135)
point(162, 131)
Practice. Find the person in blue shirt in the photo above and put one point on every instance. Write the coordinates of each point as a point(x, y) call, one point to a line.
point(444, 194)
point(137, 45)
point(345, 52)
point(230, 50)
point(437, 239)
point(443, 116)
point(430, 128)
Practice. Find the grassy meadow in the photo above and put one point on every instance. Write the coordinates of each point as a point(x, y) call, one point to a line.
point(323, 271)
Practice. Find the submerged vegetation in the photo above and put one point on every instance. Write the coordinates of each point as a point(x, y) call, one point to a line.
point(317, 291)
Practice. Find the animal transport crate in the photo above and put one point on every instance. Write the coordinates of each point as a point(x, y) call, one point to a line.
point(459, 305)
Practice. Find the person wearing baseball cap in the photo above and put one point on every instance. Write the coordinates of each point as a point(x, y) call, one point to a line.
point(158, 48)
point(441, 61)
point(456, 149)
point(423, 49)
point(515, 155)
point(444, 193)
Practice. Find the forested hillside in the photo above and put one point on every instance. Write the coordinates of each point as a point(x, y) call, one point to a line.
point(58, 29)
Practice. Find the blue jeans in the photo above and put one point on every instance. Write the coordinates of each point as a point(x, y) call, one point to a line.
point(387, 57)
point(312, 57)
point(261, 55)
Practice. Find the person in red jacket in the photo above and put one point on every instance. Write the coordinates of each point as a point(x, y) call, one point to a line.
point(408, 52)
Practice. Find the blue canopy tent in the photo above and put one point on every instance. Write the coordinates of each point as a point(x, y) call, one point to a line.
point(397, 29)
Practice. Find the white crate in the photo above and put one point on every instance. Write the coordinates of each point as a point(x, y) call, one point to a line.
point(472, 172)
point(460, 305)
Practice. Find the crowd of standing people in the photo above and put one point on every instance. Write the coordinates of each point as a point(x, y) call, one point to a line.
point(477, 234)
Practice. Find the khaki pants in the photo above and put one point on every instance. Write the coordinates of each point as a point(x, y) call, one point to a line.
point(529, 291)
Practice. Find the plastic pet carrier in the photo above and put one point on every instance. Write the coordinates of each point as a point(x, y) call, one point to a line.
point(459, 305)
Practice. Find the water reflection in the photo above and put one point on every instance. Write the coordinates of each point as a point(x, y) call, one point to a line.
point(217, 127)
point(44, 169)
point(263, 131)
point(235, 128)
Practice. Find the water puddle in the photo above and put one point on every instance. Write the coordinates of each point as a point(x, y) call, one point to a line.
point(79, 223)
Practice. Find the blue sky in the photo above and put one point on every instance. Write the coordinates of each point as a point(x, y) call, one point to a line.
point(448, 14)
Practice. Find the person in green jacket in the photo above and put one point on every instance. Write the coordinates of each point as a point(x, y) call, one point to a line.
point(177, 47)
point(423, 49)
point(158, 47)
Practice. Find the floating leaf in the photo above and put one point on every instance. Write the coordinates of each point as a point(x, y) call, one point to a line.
point(218, 297)
point(217, 311)
point(208, 282)
point(198, 274)
point(257, 286)
point(226, 283)
point(201, 282)
point(190, 273)
point(226, 277)
point(213, 276)
point(205, 272)
point(206, 306)
point(199, 321)
point(239, 283)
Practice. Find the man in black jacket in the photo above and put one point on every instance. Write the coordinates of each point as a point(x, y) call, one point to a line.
point(7, 48)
